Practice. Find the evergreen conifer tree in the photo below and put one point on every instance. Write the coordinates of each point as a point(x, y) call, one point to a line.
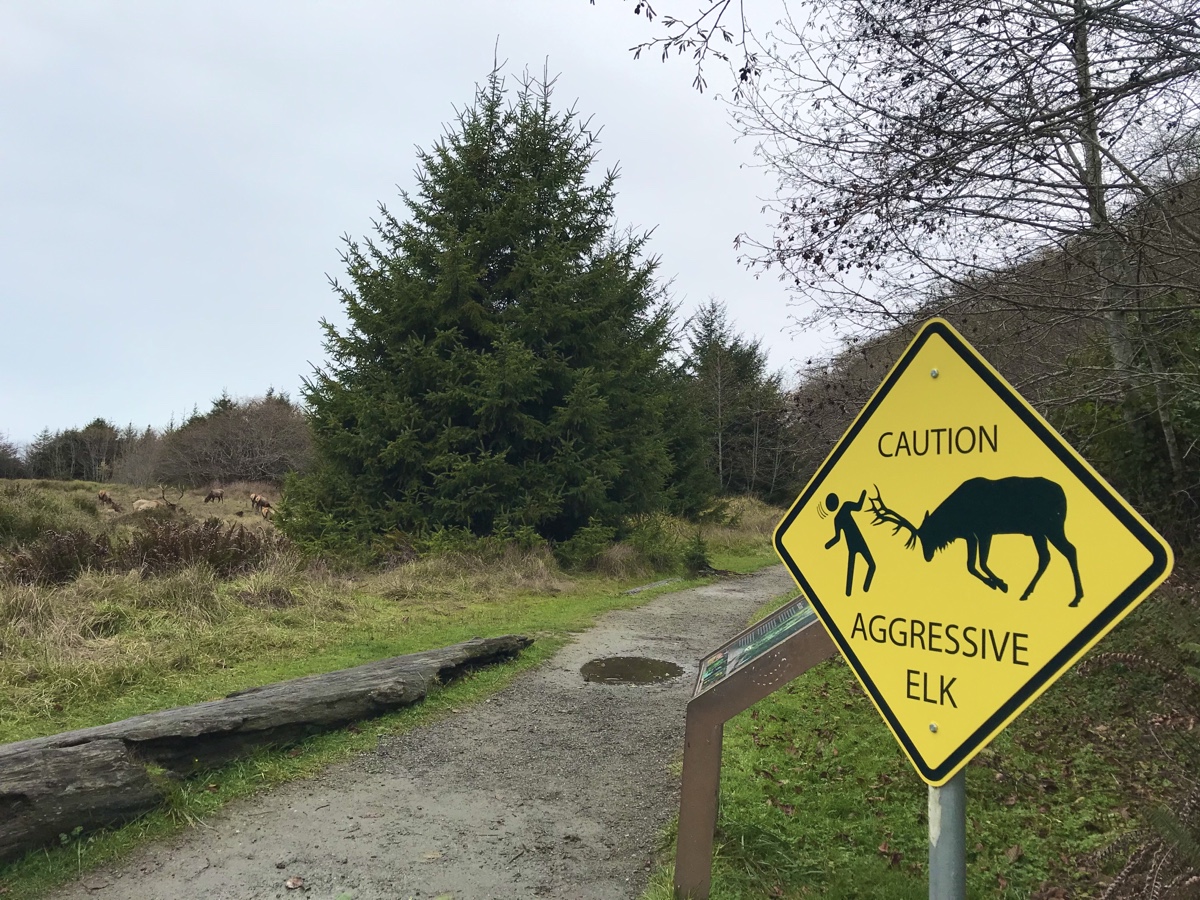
point(506, 359)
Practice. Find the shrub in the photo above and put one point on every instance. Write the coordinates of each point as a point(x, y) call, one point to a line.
point(160, 546)
point(622, 561)
point(155, 547)
point(656, 543)
point(695, 557)
point(584, 549)
point(58, 557)
point(259, 439)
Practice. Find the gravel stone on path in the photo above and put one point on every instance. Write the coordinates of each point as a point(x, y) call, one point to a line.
point(552, 788)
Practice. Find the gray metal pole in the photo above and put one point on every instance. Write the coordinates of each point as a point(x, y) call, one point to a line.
point(948, 839)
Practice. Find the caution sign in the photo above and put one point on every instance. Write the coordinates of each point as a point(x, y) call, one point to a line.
point(961, 554)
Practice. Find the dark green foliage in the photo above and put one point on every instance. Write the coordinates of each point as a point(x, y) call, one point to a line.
point(654, 543)
point(741, 409)
point(695, 556)
point(583, 548)
point(505, 366)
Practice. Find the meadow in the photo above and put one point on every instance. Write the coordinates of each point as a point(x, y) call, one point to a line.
point(817, 800)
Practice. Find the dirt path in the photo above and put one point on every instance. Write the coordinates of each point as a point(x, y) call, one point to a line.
point(553, 788)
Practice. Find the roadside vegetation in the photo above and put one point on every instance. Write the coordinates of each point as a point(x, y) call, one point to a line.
point(1090, 790)
point(106, 645)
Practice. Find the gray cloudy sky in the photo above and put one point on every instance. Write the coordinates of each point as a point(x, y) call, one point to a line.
point(176, 178)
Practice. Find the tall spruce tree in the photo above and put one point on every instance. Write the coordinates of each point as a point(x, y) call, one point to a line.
point(506, 360)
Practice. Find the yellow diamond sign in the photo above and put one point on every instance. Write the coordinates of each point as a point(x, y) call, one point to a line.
point(961, 554)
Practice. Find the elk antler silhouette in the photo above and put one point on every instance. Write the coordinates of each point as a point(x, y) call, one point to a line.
point(885, 516)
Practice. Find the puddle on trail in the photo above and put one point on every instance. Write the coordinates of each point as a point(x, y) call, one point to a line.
point(629, 670)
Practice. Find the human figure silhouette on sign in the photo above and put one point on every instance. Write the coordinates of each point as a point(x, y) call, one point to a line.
point(856, 544)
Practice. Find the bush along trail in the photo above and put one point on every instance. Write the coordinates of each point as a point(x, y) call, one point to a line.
point(556, 786)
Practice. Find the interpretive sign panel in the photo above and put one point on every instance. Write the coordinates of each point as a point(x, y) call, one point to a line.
point(753, 642)
point(750, 666)
point(961, 554)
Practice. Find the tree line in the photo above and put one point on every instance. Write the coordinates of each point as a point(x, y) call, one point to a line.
point(255, 439)
point(514, 363)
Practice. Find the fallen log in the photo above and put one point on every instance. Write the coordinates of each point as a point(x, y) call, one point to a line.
point(102, 776)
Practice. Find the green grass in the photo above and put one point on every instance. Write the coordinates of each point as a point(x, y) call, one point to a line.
point(817, 799)
point(551, 618)
point(197, 798)
point(107, 646)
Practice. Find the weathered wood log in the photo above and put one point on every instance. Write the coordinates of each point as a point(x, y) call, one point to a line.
point(100, 776)
point(51, 791)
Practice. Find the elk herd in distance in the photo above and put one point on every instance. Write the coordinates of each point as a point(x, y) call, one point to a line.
point(258, 502)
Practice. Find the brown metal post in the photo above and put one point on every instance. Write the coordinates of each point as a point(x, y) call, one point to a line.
point(706, 715)
point(698, 806)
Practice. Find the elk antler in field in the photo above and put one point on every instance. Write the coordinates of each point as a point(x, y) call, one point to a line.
point(885, 516)
point(163, 493)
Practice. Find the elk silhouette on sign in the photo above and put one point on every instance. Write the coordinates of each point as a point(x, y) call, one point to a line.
point(981, 508)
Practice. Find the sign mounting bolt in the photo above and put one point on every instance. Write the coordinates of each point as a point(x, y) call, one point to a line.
point(933, 373)
point(933, 725)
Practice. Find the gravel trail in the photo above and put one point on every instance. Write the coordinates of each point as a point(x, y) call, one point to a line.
point(553, 788)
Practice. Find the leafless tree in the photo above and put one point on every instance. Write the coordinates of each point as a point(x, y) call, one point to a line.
point(1035, 157)
point(249, 440)
point(137, 460)
point(11, 464)
point(924, 146)
point(704, 33)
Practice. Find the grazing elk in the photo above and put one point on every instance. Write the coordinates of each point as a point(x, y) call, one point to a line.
point(216, 495)
point(106, 498)
point(268, 512)
point(978, 510)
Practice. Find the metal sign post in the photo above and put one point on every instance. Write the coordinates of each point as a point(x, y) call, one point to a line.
point(948, 839)
point(757, 662)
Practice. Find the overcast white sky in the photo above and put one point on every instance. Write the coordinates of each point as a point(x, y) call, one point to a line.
point(175, 179)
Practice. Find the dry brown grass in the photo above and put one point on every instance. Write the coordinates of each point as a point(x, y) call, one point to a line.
point(750, 523)
point(106, 636)
point(234, 509)
point(119, 642)
point(623, 562)
point(458, 576)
